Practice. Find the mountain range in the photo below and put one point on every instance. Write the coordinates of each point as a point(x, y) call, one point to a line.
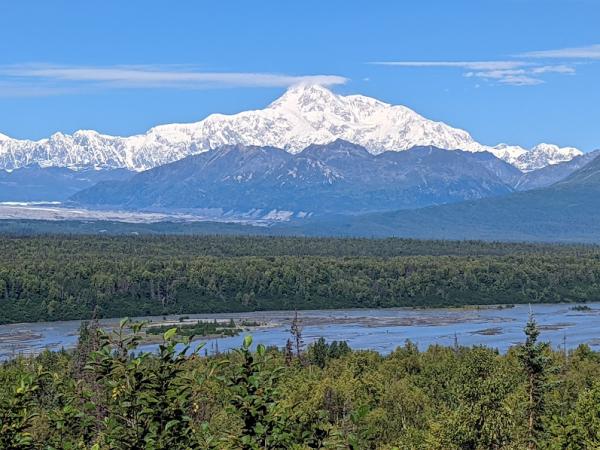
point(334, 178)
point(304, 115)
point(315, 162)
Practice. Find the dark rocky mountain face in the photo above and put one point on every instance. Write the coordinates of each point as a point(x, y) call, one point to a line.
point(34, 183)
point(334, 178)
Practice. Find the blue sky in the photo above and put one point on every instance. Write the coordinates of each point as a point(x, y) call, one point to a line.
point(517, 71)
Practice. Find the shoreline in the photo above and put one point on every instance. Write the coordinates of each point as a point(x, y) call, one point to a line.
point(466, 307)
point(379, 329)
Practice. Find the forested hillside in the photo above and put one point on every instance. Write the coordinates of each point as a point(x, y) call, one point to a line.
point(54, 277)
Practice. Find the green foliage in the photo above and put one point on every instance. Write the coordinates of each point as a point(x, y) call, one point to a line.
point(253, 399)
point(535, 361)
point(441, 398)
point(199, 329)
point(71, 419)
point(148, 398)
point(320, 351)
point(17, 413)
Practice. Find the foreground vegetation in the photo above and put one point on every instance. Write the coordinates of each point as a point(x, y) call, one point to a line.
point(61, 277)
point(201, 328)
point(326, 396)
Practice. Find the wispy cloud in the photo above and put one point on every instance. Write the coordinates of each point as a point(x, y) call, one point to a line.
point(514, 77)
point(471, 65)
point(508, 72)
point(42, 79)
point(561, 68)
point(22, 89)
point(525, 76)
point(587, 52)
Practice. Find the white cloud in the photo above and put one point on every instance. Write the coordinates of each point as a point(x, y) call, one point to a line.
point(508, 72)
point(49, 79)
point(587, 52)
point(561, 68)
point(9, 89)
point(514, 77)
point(471, 65)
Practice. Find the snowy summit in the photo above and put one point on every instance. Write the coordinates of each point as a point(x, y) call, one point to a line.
point(304, 115)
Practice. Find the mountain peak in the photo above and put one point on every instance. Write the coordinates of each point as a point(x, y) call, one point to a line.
point(304, 97)
point(308, 88)
point(543, 155)
point(544, 147)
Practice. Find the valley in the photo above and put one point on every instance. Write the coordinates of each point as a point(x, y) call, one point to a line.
point(310, 225)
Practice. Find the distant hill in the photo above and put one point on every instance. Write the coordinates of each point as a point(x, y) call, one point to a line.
point(568, 211)
point(34, 183)
point(549, 175)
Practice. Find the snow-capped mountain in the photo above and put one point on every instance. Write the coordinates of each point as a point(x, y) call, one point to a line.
point(304, 115)
point(540, 156)
point(509, 153)
point(547, 176)
point(543, 155)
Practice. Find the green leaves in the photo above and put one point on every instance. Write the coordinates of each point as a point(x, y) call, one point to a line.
point(149, 395)
point(536, 365)
point(169, 334)
point(16, 415)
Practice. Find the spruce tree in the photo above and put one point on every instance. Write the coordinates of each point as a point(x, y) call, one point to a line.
point(534, 360)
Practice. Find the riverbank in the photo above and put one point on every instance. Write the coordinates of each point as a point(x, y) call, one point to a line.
point(381, 330)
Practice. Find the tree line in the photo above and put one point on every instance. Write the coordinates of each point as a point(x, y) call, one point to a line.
point(61, 277)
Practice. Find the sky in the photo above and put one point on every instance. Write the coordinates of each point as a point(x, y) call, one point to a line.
point(515, 71)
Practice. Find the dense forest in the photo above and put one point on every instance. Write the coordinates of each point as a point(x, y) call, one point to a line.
point(102, 396)
point(70, 277)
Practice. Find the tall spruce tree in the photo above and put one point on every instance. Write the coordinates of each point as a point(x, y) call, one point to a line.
point(535, 362)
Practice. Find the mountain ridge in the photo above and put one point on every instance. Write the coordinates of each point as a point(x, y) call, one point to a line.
point(321, 179)
point(566, 211)
point(303, 115)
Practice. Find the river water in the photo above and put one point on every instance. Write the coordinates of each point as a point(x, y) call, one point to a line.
point(381, 330)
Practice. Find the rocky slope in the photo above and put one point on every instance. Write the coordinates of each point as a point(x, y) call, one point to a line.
point(339, 177)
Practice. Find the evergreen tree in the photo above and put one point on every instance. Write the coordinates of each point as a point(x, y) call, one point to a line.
point(535, 362)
